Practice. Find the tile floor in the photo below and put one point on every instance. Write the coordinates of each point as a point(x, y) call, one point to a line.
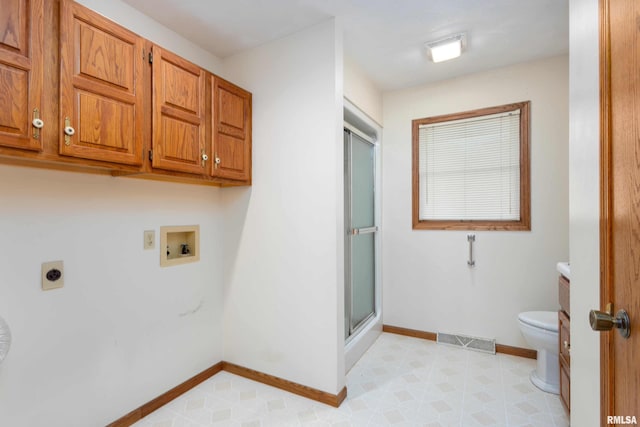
point(400, 381)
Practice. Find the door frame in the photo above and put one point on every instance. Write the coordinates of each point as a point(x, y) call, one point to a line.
point(607, 368)
point(606, 291)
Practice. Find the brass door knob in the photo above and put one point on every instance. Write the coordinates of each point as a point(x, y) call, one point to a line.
point(602, 321)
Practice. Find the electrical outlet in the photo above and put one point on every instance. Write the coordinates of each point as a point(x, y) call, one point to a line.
point(149, 239)
point(52, 275)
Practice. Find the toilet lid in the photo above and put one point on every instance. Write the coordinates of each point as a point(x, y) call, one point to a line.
point(547, 320)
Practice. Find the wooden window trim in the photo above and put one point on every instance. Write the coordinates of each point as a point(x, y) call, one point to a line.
point(524, 224)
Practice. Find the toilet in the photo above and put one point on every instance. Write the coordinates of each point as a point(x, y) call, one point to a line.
point(540, 331)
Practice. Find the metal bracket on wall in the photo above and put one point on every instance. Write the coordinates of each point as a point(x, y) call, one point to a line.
point(471, 238)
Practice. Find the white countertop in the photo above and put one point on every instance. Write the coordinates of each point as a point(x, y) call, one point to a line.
point(565, 269)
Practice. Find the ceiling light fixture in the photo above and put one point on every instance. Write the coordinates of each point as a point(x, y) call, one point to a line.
point(447, 48)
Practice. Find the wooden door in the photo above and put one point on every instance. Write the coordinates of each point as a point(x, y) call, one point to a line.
point(21, 72)
point(179, 125)
point(231, 107)
point(620, 240)
point(101, 87)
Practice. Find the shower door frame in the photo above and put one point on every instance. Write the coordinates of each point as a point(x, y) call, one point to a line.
point(352, 331)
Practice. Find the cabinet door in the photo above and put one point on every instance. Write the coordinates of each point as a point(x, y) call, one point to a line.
point(565, 387)
point(178, 114)
point(101, 87)
point(565, 340)
point(565, 358)
point(21, 72)
point(231, 131)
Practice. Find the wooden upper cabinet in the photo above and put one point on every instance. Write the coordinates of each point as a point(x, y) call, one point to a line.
point(121, 103)
point(231, 107)
point(101, 87)
point(21, 72)
point(179, 125)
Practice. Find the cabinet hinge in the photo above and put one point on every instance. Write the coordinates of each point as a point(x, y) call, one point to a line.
point(150, 57)
point(151, 155)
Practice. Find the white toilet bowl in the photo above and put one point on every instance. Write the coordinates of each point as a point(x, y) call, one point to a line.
point(540, 330)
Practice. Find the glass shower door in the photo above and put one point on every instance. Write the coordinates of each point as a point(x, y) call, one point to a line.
point(360, 223)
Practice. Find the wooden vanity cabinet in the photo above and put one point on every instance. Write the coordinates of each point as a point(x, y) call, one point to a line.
point(564, 334)
point(21, 73)
point(231, 139)
point(101, 88)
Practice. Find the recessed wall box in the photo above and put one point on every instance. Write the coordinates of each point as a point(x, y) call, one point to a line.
point(179, 244)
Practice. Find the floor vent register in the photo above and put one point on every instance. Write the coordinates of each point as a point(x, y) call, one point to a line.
point(484, 345)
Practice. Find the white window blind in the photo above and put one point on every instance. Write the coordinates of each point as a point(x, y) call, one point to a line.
point(469, 169)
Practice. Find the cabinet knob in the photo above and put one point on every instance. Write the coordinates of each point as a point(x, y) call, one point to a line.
point(68, 131)
point(204, 157)
point(217, 160)
point(37, 123)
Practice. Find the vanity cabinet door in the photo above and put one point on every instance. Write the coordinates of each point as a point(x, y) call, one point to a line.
point(101, 88)
point(564, 327)
point(21, 73)
point(231, 107)
point(565, 340)
point(565, 387)
point(179, 125)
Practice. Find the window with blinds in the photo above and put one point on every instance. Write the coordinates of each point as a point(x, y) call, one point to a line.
point(471, 170)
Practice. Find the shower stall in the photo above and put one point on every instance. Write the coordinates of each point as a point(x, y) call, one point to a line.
point(363, 321)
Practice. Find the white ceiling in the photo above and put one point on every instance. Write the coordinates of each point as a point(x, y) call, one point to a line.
point(384, 37)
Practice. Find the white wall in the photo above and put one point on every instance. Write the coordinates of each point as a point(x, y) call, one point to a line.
point(361, 91)
point(284, 282)
point(427, 283)
point(121, 331)
point(584, 188)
